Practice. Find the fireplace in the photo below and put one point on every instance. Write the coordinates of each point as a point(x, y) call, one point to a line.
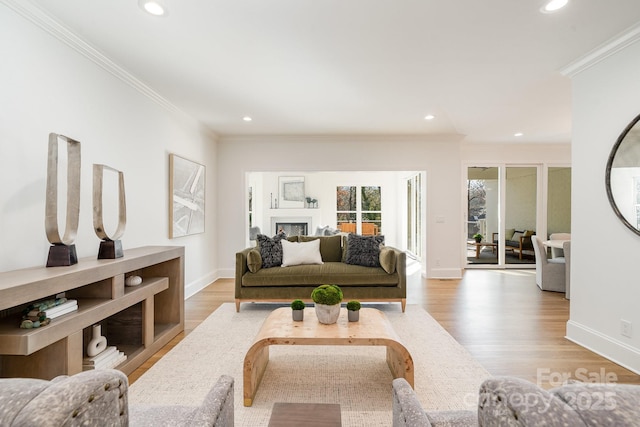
point(292, 226)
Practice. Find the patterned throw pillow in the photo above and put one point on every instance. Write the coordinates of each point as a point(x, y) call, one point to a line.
point(364, 250)
point(271, 250)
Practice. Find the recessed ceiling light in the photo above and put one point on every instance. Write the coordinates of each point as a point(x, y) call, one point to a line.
point(154, 7)
point(429, 117)
point(247, 118)
point(553, 5)
point(518, 134)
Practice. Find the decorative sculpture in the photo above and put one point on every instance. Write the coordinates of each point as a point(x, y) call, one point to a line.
point(110, 247)
point(63, 251)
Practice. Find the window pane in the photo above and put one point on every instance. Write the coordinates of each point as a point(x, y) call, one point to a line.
point(346, 198)
point(371, 199)
point(346, 217)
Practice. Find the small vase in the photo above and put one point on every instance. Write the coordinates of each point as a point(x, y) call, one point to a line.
point(353, 315)
point(98, 343)
point(298, 315)
point(327, 314)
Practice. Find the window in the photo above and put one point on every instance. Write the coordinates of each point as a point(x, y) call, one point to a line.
point(359, 211)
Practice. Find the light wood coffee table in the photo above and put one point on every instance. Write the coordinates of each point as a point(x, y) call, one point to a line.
point(279, 329)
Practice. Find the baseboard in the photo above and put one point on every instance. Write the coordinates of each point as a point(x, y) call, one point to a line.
point(196, 286)
point(607, 347)
point(445, 273)
point(226, 273)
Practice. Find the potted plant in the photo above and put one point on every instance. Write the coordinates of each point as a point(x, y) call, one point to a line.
point(297, 310)
point(478, 237)
point(327, 300)
point(353, 310)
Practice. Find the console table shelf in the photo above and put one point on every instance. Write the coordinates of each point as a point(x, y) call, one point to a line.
point(138, 320)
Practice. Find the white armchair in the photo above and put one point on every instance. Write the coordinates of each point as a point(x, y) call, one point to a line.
point(550, 273)
point(557, 252)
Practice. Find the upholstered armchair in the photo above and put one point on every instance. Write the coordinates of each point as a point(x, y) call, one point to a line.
point(99, 398)
point(557, 252)
point(550, 273)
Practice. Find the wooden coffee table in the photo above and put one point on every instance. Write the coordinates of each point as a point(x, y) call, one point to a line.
point(279, 329)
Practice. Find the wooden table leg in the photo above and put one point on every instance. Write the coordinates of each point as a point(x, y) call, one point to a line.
point(255, 363)
point(400, 362)
point(478, 246)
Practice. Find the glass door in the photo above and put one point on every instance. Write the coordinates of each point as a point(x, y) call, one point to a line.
point(483, 213)
point(521, 184)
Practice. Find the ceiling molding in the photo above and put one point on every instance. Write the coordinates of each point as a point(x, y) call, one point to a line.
point(28, 10)
point(621, 41)
point(338, 138)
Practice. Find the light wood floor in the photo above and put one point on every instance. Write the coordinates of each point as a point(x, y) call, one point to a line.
point(499, 316)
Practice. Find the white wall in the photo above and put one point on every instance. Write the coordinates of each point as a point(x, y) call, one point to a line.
point(49, 87)
point(604, 254)
point(440, 157)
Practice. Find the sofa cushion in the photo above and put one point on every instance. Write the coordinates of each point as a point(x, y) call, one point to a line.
point(364, 250)
point(297, 253)
point(330, 272)
point(387, 259)
point(330, 247)
point(254, 260)
point(270, 250)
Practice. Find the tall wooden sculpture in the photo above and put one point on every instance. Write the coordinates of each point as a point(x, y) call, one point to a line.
point(110, 247)
point(63, 251)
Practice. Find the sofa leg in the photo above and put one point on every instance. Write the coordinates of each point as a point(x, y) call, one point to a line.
point(403, 302)
point(237, 305)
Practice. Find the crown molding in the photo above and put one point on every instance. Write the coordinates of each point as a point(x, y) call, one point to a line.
point(616, 44)
point(37, 16)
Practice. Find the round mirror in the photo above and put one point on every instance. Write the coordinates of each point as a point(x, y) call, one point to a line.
point(623, 176)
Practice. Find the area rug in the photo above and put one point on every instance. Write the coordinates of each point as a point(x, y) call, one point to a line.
point(358, 378)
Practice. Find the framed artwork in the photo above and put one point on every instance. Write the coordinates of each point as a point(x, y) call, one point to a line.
point(186, 206)
point(291, 192)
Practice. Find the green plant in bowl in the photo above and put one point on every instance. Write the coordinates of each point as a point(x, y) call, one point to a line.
point(327, 295)
point(297, 304)
point(353, 305)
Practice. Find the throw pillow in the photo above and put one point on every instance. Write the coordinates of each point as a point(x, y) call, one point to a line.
point(364, 250)
point(516, 236)
point(330, 247)
point(320, 231)
point(298, 253)
point(254, 261)
point(388, 259)
point(271, 250)
point(508, 233)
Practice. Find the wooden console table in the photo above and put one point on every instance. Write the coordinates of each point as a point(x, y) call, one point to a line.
point(138, 320)
point(279, 329)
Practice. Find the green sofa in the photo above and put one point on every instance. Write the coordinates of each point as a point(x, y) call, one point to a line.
point(284, 284)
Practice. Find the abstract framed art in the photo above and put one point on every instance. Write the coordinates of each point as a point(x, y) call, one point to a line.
point(187, 203)
point(291, 191)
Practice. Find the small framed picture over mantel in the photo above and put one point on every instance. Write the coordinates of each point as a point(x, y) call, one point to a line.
point(291, 191)
point(187, 202)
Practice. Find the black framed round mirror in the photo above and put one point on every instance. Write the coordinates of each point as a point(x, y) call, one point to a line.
point(623, 176)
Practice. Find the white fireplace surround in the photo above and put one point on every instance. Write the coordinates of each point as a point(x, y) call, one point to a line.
point(292, 219)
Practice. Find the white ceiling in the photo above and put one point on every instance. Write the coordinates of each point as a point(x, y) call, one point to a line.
point(486, 69)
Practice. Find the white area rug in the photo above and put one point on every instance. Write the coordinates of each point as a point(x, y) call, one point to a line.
point(358, 378)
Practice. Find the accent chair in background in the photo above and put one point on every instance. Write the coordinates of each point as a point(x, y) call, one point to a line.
point(550, 273)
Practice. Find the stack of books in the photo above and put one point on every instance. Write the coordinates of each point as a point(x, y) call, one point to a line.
point(108, 358)
point(57, 310)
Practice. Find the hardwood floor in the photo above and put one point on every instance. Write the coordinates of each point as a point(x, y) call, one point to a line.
point(499, 316)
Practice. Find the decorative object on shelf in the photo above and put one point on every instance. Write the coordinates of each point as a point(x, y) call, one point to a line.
point(98, 343)
point(63, 251)
point(291, 192)
point(297, 310)
point(327, 300)
point(186, 184)
point(478, 237)
point(110, 247)
point(311, 203)
point(40, 313)
point(133, 281)
point(353, 310)
point(622, 176)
